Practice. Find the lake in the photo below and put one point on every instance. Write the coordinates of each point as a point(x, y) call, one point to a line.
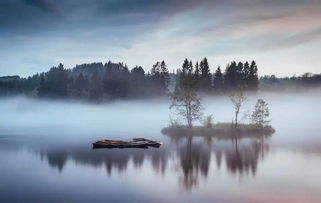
point(46, 153)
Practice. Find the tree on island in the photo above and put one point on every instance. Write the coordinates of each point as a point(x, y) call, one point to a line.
point(237, 99)
point(185, 98)
point(261, 113)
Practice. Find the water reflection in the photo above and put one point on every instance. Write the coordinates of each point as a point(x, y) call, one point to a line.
point(190, 156)
point(194, 161)
point(111, 159)
point(197, 165)
point(243, 158)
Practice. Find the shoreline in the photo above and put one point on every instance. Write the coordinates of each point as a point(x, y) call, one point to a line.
point(220, 130)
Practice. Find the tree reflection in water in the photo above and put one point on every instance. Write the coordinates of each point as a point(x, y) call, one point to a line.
point(194, 160)
point(241, 157)
point(190, 155)
point(111, 159)
point(244, 158)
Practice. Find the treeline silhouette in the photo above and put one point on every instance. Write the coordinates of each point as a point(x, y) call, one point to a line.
point(98, 81)
point(307, 80)
point(95, 81)
point(234, 76)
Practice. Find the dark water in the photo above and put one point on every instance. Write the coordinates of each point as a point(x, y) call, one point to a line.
point(46, 154)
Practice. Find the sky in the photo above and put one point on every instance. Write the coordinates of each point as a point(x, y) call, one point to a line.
point(282, 36)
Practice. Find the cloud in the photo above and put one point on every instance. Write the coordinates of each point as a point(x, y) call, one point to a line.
point(44, 5)
point(142, 31)
point(289, 40)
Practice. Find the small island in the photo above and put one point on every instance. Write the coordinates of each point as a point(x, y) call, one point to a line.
point(220, 131)
point(187, 104)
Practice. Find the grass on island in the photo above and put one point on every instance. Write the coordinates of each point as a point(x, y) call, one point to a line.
point(220, 130)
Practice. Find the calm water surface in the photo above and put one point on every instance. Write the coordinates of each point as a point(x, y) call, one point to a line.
point(46, 154)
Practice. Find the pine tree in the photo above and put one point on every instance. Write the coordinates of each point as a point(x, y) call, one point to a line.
point(230, 76)
point(42, 86)
point(81, 85)
point(61, 81)
point(55, 83)
point(159, 78)
point(190, 69)
point(185, 67)
point(253, 81)
point(138, 81)
point(239, 76)
point(116, 81)
point(206, 77)
point(246, 75)
point(164, 77)
point(218, 80)
point(96, 87)
point(197, 74)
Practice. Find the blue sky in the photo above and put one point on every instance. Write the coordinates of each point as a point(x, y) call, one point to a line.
point(282, 36)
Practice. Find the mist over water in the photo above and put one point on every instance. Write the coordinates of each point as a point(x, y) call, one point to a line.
point(48, 143)
point(290, 112)
point(80, 119)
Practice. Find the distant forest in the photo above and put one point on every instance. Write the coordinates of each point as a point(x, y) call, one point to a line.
point(98, 81)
